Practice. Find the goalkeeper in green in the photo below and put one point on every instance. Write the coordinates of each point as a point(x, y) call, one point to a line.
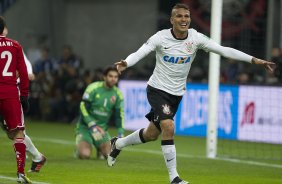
point(100, 100)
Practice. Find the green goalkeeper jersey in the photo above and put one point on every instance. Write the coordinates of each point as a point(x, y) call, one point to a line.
point(98, 105)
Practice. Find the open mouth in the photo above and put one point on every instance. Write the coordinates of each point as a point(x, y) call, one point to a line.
point(183, 25)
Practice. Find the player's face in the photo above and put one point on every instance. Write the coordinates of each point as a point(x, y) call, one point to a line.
point(180, 20)
point(111, 79)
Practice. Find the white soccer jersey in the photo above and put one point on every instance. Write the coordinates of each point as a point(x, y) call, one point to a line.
point(175, 56)
point(28, 64)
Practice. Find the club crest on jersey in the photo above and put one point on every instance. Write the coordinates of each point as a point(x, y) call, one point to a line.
point(113, 99)
point(176, 60)
point(189, 46)
point(166, 109)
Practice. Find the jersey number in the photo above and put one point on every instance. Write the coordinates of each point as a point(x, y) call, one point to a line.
point(8, 55)
point(105, 102)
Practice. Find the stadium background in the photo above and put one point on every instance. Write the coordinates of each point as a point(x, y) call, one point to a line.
point(99, 33)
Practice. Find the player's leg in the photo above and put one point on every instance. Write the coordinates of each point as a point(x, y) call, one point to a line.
point(99, 154)
point(38, 159)
point(103, 146)
point(30, 147)
point(140, 136)
point(83, 150)
point(167, 142)
point(169, 151)
point(84, 143)
point(164, 107)
point(151, 133)
point(15, 126)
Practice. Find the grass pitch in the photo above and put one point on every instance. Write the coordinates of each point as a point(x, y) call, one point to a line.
point(139, 164)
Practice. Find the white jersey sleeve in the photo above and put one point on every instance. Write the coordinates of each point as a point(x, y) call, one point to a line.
point(28, 64)
point(174, 58)
point(209, 45)
point(143, 51)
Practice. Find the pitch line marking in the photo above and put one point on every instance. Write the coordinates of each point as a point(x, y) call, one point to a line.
point(15, 179)
point(238, 161)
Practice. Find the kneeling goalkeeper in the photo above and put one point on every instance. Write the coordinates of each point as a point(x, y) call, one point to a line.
point(100, 100)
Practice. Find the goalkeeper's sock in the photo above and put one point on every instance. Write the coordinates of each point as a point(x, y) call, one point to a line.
point(132, 139)
point(169, 153)
point(19, 148)
point(36, 155)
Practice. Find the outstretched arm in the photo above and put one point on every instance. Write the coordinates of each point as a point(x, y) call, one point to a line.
point(269, 66)
point(238, 55)
point(143, 51)
point(133, 58)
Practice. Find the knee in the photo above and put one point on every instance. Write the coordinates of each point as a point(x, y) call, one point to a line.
point(150, 136)
point(83, 155)
point(14, 134)
point(167, 127)
point(10, 136)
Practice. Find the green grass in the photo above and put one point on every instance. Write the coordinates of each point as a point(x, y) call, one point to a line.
point(136, 165)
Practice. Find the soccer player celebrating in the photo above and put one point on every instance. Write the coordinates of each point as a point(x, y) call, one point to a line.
point(38, 159)
point(12, 103)
point(175, 51)
point(100, 100)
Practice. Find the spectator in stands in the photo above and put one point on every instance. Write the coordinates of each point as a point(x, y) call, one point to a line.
point(276, 57)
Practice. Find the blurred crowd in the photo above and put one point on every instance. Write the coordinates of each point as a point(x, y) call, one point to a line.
point(58, 86)
point(60, 82)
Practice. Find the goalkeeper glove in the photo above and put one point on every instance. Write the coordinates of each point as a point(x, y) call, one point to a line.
point(96, 133)
point(25, 103)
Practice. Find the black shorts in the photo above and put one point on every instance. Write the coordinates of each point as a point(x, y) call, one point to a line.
point(163, 105)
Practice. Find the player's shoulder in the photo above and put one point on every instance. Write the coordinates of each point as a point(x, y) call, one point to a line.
point(192, 31)
point(164, 32)
point(14, 42)
point(197, 36)
point(93, 86)
point(118, 92)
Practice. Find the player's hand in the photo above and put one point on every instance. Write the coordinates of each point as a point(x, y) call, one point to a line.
point(121, 66)
point(31, 77)
point(25, 103)
point(97, 132)
point(269, 66)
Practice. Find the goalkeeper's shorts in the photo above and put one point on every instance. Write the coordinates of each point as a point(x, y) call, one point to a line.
point(84, 134)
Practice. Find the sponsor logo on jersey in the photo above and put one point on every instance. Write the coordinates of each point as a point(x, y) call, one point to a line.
point(176, 59)
point(113, 99)
point(100, 113)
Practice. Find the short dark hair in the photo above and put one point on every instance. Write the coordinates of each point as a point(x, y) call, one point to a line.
point(2, 24)
point(180, 5)
point(109, 68)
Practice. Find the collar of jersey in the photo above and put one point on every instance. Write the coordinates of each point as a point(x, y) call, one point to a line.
point(175, 36)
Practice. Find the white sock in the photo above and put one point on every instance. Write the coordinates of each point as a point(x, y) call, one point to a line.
point(169, 153)
point(36, 155)
point(131, 139)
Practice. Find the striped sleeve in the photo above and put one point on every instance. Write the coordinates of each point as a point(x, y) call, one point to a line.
point(85, 104)
point(119, 112)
